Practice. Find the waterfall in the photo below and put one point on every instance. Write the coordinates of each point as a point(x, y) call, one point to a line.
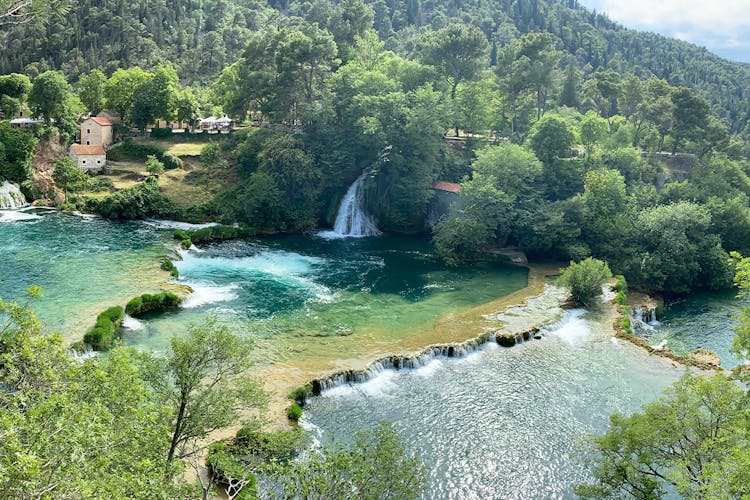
point(352, 219)
point(11, 197)
point(420, 359)
point(643, 318)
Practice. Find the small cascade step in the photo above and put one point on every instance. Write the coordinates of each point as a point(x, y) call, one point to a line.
point(11, 197)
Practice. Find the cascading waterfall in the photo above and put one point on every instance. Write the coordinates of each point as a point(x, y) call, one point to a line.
point(11, 197)
point(419, 360)
point(352, 219)
point(643, 318)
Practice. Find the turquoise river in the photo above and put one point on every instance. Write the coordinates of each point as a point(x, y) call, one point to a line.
point(496, 423)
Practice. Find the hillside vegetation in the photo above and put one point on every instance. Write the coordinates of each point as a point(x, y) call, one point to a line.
point(203, 37)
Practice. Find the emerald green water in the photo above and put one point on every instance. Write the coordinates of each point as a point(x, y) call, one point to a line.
point(306, 287)
point(84, 264)
point(297, 287)
point(704, 320)
point(500, 423)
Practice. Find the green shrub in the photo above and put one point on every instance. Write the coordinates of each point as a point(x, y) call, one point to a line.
point(225, 465)
point(294, 412)
point(153, 165)
point(300, 394)
point(168, 265)
point(211, 233)
point(137, 202)
point(621, 285)
point(103, 334)
point(621, 298)
point(98, 184)
point(585, 279)
point(159, 133)
point(184, 238)
point(170, 161)
point(147, 303)
point(263, 447)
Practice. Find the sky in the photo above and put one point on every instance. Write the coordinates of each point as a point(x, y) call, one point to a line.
point(722, 26)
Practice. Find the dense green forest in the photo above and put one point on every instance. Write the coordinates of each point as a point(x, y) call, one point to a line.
point(202, 37)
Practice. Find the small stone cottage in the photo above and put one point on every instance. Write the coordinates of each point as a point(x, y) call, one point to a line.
point(91, 159)
point(96, 131)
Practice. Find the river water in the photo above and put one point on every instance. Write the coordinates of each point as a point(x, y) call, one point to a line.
point(704, 320)
point(500, 423)
point(504, 423)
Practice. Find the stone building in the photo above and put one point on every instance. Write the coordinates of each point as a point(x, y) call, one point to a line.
point(91, 159)
point(96, 131)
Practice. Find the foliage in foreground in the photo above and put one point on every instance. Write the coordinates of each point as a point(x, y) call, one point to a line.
point(695, 439)
point(375, 465)
point(585, 279)
point(126, 425)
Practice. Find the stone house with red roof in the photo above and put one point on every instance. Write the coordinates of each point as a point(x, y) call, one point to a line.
point(91, 159)
point(96, 131)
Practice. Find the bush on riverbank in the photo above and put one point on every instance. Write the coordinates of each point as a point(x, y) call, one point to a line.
point(585, 279)
point(300, 394)
point(621, 287)
point(137, 202)
point(212, 233)
point(103, 334)
point(147, 303)
point(294, 412)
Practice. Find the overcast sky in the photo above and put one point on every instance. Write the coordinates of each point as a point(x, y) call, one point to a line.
point(722, 26)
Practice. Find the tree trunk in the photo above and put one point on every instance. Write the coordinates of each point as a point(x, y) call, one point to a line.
point(177, 429)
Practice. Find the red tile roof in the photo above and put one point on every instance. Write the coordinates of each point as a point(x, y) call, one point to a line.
point(80, 149)
point(101, 121)
point(451, 187)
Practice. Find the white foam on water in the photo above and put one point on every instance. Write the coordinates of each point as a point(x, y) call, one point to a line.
point(381, 385)
point(572, 328)
point(132, 323)
point(429, 369)
point(333, 235)
point(7, 216)
point(209, 293)
point(661, 345)
point(84, 216)
point(173, 224)
point(291, 269)
point(270, 262)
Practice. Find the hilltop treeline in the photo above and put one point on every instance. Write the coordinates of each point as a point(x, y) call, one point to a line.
point(200, 38)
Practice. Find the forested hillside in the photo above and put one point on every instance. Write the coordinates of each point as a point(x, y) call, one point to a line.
point(201, 37)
